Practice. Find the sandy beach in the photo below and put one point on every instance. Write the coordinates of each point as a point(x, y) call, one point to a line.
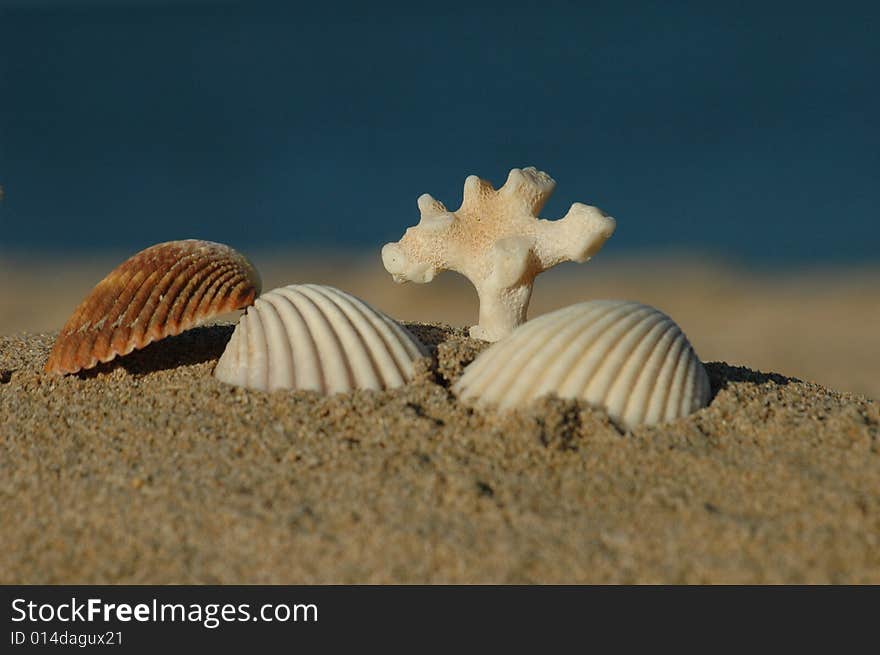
point(149, 470)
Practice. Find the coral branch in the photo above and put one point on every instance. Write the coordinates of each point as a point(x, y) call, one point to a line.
point(497, 241)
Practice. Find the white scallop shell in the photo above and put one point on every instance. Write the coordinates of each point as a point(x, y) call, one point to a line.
point(308, 336)
point(626, 357)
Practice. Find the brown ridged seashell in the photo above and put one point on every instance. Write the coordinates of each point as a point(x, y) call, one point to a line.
point(157, 293)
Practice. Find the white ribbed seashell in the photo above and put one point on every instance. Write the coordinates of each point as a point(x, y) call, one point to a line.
point(628, 358)
point(314, 337)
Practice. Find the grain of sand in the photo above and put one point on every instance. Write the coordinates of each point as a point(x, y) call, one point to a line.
point(151, 471)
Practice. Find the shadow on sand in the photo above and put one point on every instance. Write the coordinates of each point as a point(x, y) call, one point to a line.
point(721, 375)
point(195, 346)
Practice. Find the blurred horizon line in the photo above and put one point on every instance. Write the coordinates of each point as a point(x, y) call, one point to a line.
point(685, 257)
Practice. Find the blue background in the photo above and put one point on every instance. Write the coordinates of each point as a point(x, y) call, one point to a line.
point(747, 130)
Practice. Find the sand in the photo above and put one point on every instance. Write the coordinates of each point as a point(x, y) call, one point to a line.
point(151, 471)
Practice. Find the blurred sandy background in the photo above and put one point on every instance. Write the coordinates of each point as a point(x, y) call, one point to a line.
point(747, 129)
point(820, 325)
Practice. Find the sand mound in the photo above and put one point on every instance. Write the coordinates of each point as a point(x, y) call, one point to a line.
point(150, 471)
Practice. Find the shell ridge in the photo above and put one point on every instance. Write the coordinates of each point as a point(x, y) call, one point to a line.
point(584, 358)
point(177, 314)
point(553, 359)
point(79, 355)
point(411, 344)
point(676, 383)
point(308, 361)
point(647, 368)
point(655, 404)
point(516, 362)
point(402, 346)
point(667, 374)
point(594, 353)
point(207, 287)
point(194, 293)
point(307, 366)
point(256, 348)
point(124, 310)
point(227, 365)
point(689, 398)
point(238, 359)
point(513, 351)
point(511, 344)
point(106, 305)
point(481, 368)
point(358, 321)
point(355, 355)
point(209, 302)
point(279, 370)
point(466, 385)
point(75, 322)
point(332, 341)
point(243, 358)
point(597, 386)
point(378, 338)
point(219, 298)
point(631, 342)
point(573, 350)
point(153, 316)
point(102, 301)
point(387, 326)
point(119, 336)
point(332, 357)
point(418, 349)
point(626, 357)
point(235, 291)
point(66, 350)
point(132, 326)
point(356, 349)
point(83, 355)
point(287, 317)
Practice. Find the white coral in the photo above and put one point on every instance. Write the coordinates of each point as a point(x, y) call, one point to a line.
point(496, 240)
